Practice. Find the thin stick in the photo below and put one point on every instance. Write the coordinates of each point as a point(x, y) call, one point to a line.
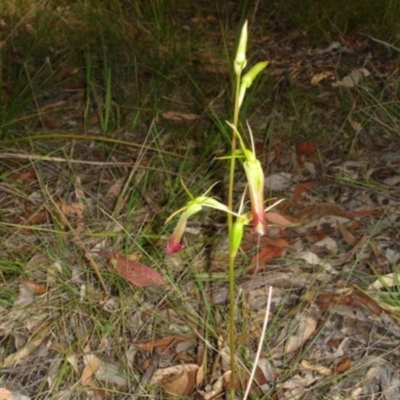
point(260, 344)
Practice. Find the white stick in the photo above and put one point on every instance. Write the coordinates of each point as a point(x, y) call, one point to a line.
point(253, 371)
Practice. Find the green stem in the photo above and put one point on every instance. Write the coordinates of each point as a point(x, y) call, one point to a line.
point(232, 337)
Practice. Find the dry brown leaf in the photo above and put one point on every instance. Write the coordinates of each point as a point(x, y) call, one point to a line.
point(263, 256)
point(24, 177)
point(317, 78)
point(36, 217)
point(258, 148)
point(29, 347)
point(326, 242)
point(305, 329)
point(344, 365)
point(5, 394)
point(216, 69)
point(265, 372)
point(312, 259)
point(175, 370)
point(316, 367)
point(364, 213)
point(115, 189)
point(110, 374)
point(297, 384)
point(352, 297)
point(181, 384)
point(324, 209)
point(179, 116)
point(73, 361)
point(75, 210)
point(359, 298)
point(306, 148)
point(346, 257)
point(92, 366)
point(299, 190)
point(388, 280)
point(202, 20)
point(252, 241)
point(217, 387)
point(327, 301)
point(25, 296)
point(357, 126)
point(348, 237)
point(34, 287)
point(200, 374)
point(278, 219)
point(353, 79)
point(163, 343)
point(134, 272)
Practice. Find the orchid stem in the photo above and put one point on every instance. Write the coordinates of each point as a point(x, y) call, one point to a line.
point(232, 254)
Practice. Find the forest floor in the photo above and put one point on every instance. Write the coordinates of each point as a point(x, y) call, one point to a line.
point(92, 160)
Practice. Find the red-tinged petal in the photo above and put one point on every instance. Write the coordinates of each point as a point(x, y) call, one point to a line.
point(260, 224)
point(174, 246)
point(174, 243)
point(255, 180)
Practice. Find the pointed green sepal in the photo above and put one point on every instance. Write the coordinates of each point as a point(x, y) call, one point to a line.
point(240, 60)
point(249, 77)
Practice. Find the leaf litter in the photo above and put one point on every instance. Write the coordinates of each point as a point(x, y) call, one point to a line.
point(290, 267)
point(331, 258)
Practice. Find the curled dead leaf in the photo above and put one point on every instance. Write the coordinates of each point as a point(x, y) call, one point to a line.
point(344, 365)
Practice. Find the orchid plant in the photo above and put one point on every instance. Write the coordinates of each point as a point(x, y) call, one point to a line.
point(236, 221)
